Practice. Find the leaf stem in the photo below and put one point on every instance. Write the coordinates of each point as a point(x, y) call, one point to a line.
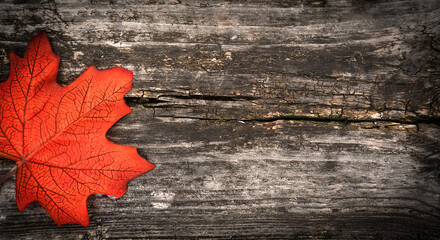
point(9, 174)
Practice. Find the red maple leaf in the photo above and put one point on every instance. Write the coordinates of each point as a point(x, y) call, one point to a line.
point(56, 134)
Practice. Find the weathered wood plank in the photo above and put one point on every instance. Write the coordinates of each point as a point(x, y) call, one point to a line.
point(350, 59)
point(273, 179)
point(216, 86)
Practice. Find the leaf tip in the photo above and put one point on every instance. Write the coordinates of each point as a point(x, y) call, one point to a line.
point(150, 166)
point(12, 57)
point(42, 33)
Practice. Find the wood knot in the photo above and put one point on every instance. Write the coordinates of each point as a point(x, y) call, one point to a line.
point(316, 3)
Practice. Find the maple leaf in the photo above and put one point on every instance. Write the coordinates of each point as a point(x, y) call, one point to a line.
point(56, 135)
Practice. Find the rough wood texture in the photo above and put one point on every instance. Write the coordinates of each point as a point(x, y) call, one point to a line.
point(266, 119)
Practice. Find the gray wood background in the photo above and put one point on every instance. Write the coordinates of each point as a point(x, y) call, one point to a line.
point(304, 119)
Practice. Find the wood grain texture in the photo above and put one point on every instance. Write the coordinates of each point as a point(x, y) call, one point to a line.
point(265, 119)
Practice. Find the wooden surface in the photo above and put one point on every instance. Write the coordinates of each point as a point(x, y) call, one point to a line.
point(265, 119)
